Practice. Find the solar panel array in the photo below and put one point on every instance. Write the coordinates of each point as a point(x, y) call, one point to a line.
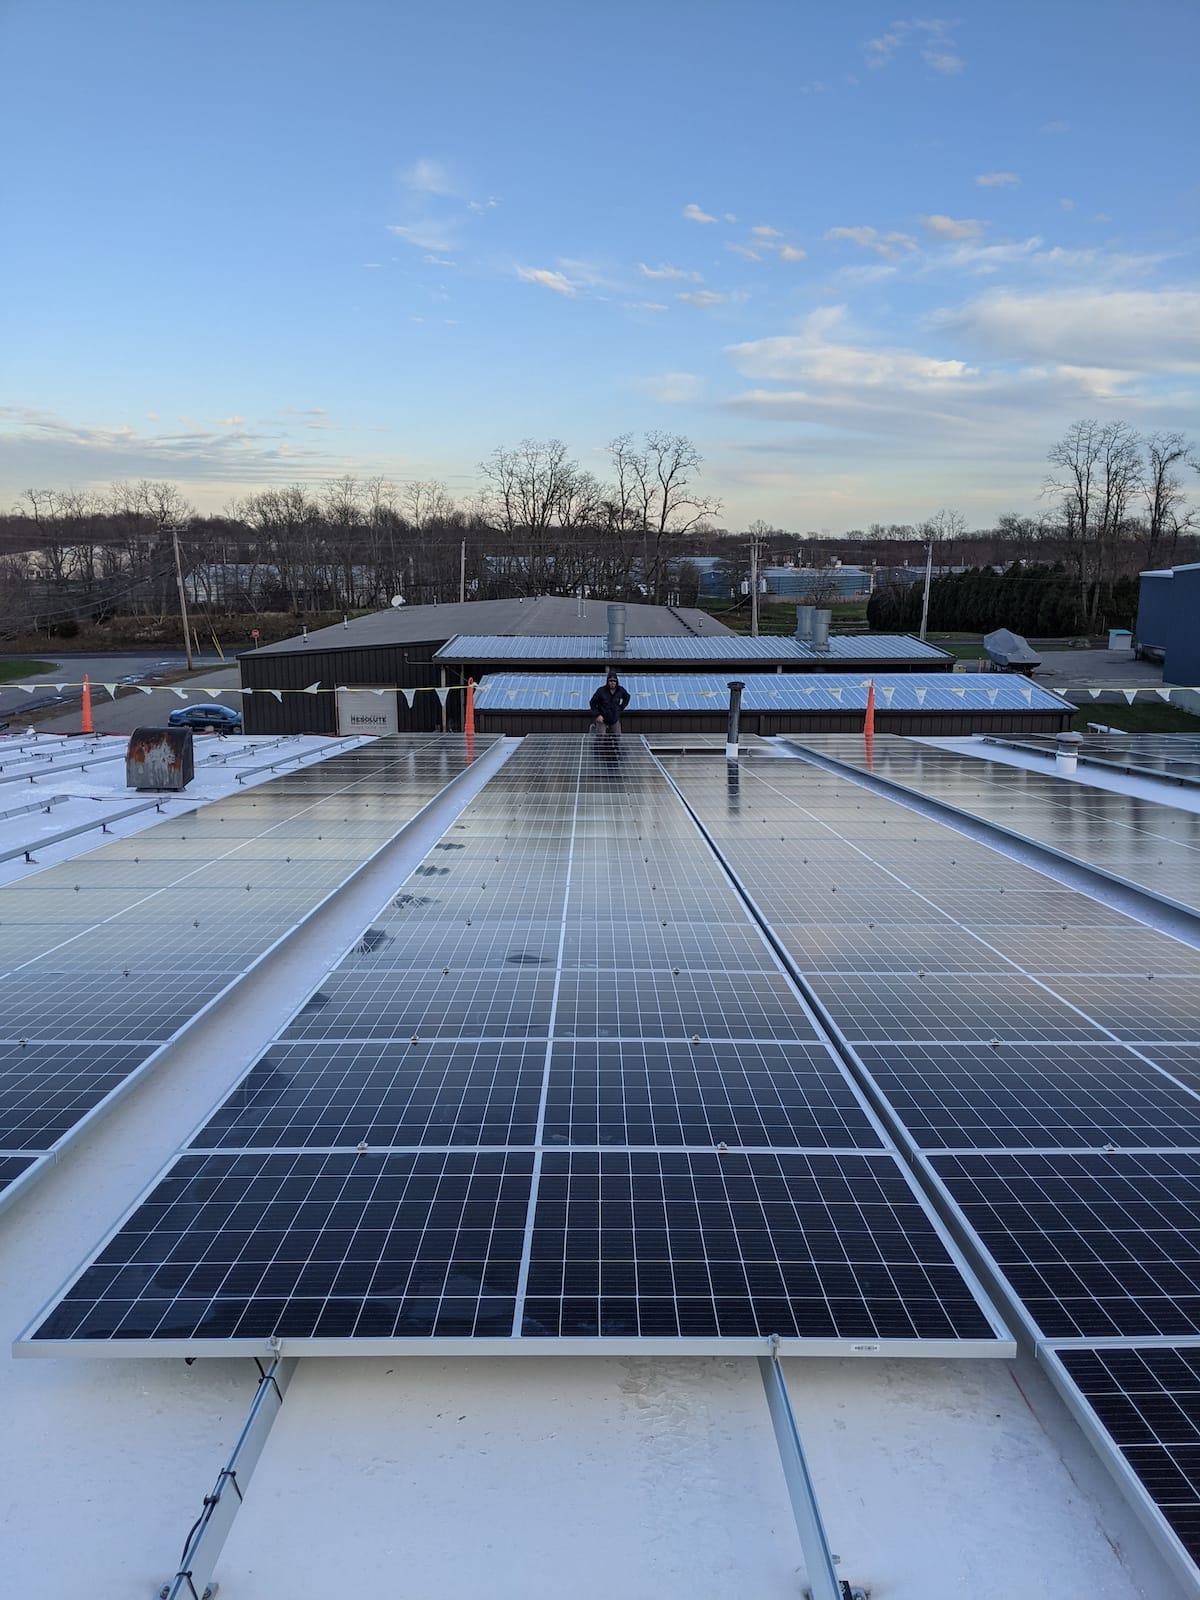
point(771, 691)
point(1154, 845)
point(714, 647)
point(560, 1094)
point(107, 956)
point(1039, 1052)
point(1175, 756)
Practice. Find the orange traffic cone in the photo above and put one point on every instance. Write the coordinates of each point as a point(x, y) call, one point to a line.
point(869, 721)
point(86, 725)
point(469, 717)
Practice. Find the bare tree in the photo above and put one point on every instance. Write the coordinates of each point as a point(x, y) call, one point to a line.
point(1098, 471)
point(667, 501)
point(1163, 494)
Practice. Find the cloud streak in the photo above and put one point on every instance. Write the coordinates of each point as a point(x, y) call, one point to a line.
point(888, 245)
point(556, 281)
point(693, 213)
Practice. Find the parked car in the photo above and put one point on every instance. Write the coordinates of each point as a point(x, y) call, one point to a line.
point(220, 719)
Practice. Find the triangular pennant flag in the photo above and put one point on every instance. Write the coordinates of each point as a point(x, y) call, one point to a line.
point(673, 698)
point(1130, 696)
point(410, 695)
point(59, 687)
point(27, 688)
point(378, 691)
point(444, 694)
point(887, 694)
point(313, 688)
point(1027, 693)
point(920, 694)
point(250, 691)
point(1163, 694)
point(991, 694)
point(1095, 693)
point(180, 694)
point(278, 693)
point(836, 693)
point(112, 690)
point(961, 693)
point(215, 692)
point(143, 688)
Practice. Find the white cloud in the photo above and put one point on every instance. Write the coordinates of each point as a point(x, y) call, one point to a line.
point(1055, 127)
point(997, 180)
point(666, 270)
point(729, 217)
point(1067, 205)
point(792, 252)
point(811, 357)
point(888, 245)
point(943, 227)
point(489, 204)
point(694, 214)
point(439, 236)
point(1133, 331)
point(428, 177)
point(937, 51)
point(556, 281)
point(647, 305)
point(765, 231)
point(701, 297)
point(673, 388)
point(747, 252)
point(439, 261)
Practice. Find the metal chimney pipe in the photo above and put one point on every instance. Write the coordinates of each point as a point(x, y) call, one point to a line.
point(820, 632)
point(616, 630)
point(804, 623)
point(735, 718)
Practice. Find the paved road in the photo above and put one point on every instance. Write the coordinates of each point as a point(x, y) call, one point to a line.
point(132, 709)
point(69, 669)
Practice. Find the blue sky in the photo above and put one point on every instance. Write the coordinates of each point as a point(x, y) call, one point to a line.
point(873, 262)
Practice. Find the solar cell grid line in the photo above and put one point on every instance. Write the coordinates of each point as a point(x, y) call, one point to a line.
point(654, 1092)
point(480, 1002)
point(1004, 1097)
point(1141, 1405)
point(700, 1244)
point(1091, 1245)
point(382, 1094)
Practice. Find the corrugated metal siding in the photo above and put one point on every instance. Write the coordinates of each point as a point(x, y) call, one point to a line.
point(409, 666)
point(912, 724)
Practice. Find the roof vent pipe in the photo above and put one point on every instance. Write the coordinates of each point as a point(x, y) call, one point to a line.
point(820, 630)
point(616, 630)
point(804, 623)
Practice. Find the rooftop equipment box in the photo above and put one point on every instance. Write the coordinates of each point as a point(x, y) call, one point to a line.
point(159, 758)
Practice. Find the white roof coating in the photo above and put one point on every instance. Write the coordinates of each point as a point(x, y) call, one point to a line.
point(724, 647)
point(648, 1478)
point(909, 691)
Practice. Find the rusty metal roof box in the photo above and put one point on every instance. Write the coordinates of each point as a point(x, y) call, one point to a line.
point(159, 758)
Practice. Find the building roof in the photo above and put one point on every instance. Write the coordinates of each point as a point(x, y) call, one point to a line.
point(586, 910)
point(901, 691)
point(727, 646)
point(540, 614)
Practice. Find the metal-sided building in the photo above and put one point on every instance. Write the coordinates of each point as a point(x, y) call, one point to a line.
point(1168, 605)
point(390, 659)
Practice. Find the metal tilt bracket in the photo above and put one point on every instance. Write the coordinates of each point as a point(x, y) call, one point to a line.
point(823, 1581)
point(203, 1545)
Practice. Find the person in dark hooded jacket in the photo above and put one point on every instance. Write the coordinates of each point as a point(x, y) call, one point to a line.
point(608, 702)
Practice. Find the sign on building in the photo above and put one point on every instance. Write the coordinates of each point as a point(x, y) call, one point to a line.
point(367, 713)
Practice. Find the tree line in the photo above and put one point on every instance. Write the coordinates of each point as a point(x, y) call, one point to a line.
point(1037, 601)
point(1115, 503)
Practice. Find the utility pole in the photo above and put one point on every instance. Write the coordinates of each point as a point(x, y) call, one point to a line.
point(187, 636)
point(754, 586)
point(462, 572)
point(928, 580)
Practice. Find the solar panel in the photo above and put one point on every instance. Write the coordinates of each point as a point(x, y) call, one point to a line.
point(934, 1005)
point(1094, 1245)
point(1004, 1096)
point(715, 647)
point(1147, 1402)
point(613, 1119)
point(788, 691)
point(108, 956)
